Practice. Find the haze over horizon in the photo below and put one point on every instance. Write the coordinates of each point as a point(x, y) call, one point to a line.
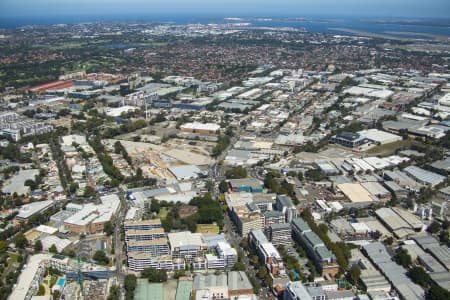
point(100, 9)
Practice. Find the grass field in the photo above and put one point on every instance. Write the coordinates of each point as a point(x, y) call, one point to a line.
point(11, 260)
point(207, 228)
point(389, 149)
point(163, 213)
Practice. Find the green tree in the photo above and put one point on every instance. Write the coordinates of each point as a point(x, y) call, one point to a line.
point(244, 243)
point(53, 249)
point(355, 273)
point(224, 186)
point(155, 206)
point(108, 228)
point(73, 187)
point(236, 173)
point(37, 246)
point(41, 291)
point(31, 183)
point(3, 246)
point(89, 192)
point(419, 276)
point(114, 292)
point(239, 266)
point(154, 275)
point(130, 283)
point(100, 257)
point(20, 241)
point(402, 257)
point(434, 227)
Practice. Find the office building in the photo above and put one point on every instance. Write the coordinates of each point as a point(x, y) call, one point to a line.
point(324, 260)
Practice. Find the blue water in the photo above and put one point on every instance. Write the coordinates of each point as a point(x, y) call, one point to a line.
point(313, 24)
point(61, 282)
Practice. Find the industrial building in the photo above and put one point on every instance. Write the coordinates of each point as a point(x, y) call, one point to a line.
point(186, 172)
point(207, 128)
point(249, 185)
point(400, 222)
point(425, 177)
point(222, 286)
point(379, 137)
point(348, 139)
point(370, 277)
point(357, 194)
point(395, 274)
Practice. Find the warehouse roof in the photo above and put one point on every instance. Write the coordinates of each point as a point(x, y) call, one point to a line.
point(442, 254)
point(389, 217)
point(251, 182)
point(211, 280)
point(30, 209)
point(410, 218)
point(356, 193)
point(392, 185)
point(442, 164)
point(184, 290)
point(185, 172)
point(425, 240)
point(238, 280)
point(442, 279)
point(375, 188)
point(201, 126)
point(324, 253)
point(401, 178)
point(379, 136)
point(424, 175)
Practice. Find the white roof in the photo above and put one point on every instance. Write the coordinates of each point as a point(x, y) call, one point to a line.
point(46, 229)
point(185, 238)
point(376, 162)
point(117, 111)
point(50, 240)
point(336, 205)
point(379, 136)
point(270, 250)
point(30, 209)
point(185, 172)
point(69, 139)
point(201, 126)
point(26, 277)
point(131, 213)
point(179, 197)
point(96, 213)
point(358, 227)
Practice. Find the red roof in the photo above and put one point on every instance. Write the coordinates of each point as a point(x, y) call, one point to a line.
point(51, 86)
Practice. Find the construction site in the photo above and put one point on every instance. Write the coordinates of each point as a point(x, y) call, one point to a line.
point(155, 160)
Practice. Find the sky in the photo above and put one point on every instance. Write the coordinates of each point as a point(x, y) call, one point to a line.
point(10, 9)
